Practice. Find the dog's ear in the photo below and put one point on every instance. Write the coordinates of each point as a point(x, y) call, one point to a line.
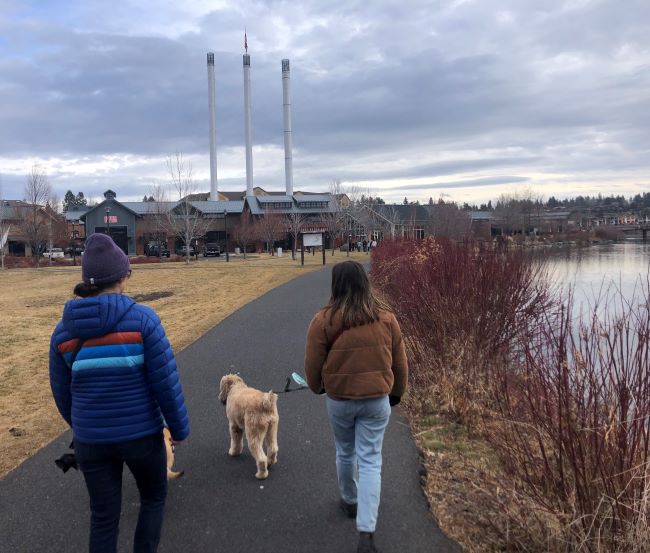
point(224, 387)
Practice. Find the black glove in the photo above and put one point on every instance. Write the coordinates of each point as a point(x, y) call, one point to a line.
point(321, 391)
point(66, 462)
point(394, 400)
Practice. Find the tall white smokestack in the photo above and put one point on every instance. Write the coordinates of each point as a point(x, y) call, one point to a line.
point(247, 122)
point(214, 194)
point(286, 102)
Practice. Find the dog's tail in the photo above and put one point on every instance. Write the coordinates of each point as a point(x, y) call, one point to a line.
point(269, 402)
point(171, 475)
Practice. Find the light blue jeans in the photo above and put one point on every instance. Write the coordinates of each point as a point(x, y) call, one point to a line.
point(359, 426)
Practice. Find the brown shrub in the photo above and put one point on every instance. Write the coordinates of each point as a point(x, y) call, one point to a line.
point(19, 262)
point(606, 232)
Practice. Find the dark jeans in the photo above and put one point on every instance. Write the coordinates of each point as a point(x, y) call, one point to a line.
point(102, 466)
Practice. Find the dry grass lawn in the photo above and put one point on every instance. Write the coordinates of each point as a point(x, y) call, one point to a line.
point(190, 300)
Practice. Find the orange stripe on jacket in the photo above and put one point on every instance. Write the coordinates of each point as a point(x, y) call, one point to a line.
point(115, 338)
point(68, 345)
point(111, 339)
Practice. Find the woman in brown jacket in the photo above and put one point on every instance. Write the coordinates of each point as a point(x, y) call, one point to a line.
point(355, 354)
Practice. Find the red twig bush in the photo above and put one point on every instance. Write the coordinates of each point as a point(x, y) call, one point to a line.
point(460, 307)
point(574, 428)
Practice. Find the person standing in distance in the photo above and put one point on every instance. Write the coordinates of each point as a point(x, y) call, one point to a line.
point(114, 380)
point(355, 354)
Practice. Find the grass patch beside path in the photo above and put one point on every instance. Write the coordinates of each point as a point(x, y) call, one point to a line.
point(461, 483)
point(190, 300)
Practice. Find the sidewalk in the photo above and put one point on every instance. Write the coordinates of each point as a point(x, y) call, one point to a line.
point(219, 506)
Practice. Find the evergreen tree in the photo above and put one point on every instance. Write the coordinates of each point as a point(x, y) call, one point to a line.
point(72, 202)
point(69, 201)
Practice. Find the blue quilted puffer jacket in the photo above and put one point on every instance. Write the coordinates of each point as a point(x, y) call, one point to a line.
point(123, 380)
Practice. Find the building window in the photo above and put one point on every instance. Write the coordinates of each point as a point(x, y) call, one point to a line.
point(419, 233)
point(319, 205)
point(277, 205)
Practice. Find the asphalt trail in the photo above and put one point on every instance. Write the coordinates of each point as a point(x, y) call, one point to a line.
point(219, 506)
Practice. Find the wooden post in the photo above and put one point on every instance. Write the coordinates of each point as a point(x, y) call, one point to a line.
point(323, 247)
point(302, 251)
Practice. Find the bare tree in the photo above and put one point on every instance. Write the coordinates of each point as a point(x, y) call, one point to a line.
point(363, 211)
point(183, 220)
point(334, 220)
point(354, 193)
point(516, 209)
point(54, 203)
point(383, 218)
point(446, 219)
point(295, 222)
point(270, 228)
point(158, 222)
point(35, 221)
point(245, 232)
point(393, 219)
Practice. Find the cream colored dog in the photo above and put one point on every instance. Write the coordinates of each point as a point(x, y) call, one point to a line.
point(169, 447)
point(255, 413)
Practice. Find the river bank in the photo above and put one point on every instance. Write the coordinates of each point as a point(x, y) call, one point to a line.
point(528, 446)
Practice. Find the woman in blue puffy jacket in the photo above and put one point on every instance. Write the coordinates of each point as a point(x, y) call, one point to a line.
point(114, 380)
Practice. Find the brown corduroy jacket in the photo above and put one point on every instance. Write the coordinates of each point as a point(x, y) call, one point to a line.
point(363, 362)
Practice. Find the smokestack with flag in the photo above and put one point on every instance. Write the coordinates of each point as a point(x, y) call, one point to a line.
point(214, 193)
point(288, 143)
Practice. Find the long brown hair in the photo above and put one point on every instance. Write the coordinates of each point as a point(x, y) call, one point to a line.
point(353, 295)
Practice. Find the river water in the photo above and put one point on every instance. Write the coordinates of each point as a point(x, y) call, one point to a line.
point(620, 266)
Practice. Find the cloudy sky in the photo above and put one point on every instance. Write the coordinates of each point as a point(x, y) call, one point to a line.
point(465, 99)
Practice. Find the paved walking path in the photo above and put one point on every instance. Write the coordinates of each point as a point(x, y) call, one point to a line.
point(219, 506)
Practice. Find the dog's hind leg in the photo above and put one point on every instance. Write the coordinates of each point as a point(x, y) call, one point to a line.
point(271, 442)
point(254, 439)
point(236, 440)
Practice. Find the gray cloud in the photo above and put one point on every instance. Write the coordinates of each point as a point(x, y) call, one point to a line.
point(381, 90)
point(467, 183)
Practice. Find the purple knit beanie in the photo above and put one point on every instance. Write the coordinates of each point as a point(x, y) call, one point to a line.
point(103, 260)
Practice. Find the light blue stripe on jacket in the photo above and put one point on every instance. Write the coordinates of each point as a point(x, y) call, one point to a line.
point(110, 350)
point(108, 362)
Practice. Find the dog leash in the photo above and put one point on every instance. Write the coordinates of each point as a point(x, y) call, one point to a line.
point(295, 377)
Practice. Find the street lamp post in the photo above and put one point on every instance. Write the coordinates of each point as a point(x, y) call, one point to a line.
point(74, 245)
point(225, 229)
point(108, 221)
point(349, 243)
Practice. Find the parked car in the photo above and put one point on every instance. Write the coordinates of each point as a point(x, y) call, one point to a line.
point(211, 248)
point(183, 251)
point(54, 253)
point(73, 250)
point(156, 249)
